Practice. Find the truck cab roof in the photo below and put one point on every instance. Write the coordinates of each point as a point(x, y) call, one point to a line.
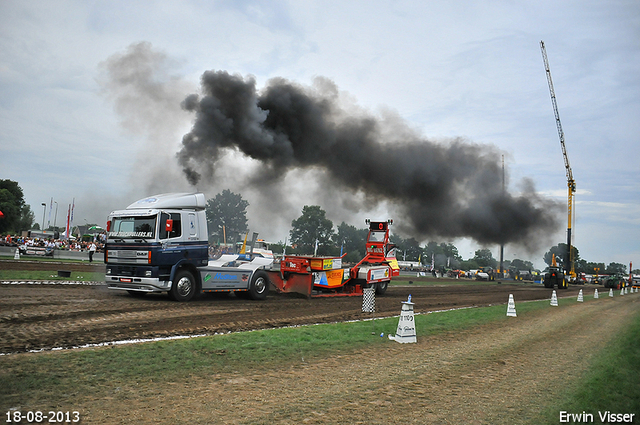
point(195, 201)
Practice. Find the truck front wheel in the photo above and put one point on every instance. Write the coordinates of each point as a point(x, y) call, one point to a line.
point(259, 287)
point(184, 286)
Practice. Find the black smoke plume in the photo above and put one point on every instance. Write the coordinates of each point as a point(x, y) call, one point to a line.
point(449, 188)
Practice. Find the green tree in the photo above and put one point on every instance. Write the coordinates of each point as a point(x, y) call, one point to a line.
point(407, 249)
point(226, 216)
point(352, 240)
point(468, 265)
point(450, 251)
point(484, 258)
point(442, 253)
point(17, 215)
point(560, 252)
point(519, 264)
point(312, 225)
point(580, 266)
point(595, 268)
point(614, 268)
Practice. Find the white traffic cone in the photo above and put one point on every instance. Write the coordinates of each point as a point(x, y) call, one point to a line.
point(621, 291)
point(554, 299)
point(580, 297)
point(626, 290)
point(406, 331)
point(611, 292)
point(595, 294)
point(16, 256)
point(511, 307)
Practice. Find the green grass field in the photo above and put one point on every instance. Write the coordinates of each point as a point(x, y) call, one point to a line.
point(57, 377)
point(430, 280)
point(50, 275)
point(612, 382)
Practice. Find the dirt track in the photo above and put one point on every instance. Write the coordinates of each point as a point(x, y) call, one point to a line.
point(503, 372)
point(46, 316)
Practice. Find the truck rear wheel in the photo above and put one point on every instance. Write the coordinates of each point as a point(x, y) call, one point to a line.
point(259, 287)
point(381, 287)
point(184, 286)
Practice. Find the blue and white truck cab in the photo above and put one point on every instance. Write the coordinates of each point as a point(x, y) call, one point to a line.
point(160, 244)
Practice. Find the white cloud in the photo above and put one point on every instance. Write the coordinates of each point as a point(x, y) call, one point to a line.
point(470, 69)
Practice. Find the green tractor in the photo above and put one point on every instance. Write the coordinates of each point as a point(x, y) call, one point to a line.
point(616, 281)
point(555, 277)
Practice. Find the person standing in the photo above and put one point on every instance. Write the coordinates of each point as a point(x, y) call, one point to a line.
point(92, 250)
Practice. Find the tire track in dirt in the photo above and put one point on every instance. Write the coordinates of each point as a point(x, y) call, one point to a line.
point(501, 373)
point(34, 317)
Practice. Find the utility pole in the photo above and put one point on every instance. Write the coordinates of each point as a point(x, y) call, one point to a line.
point(501, 271)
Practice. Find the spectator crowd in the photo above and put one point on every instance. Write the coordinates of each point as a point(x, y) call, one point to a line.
point(62, 244)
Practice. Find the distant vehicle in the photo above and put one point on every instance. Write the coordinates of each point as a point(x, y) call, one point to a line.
point(260, 248)
point(525, 275)
point(616, 281)
point(41, 251)
point(555, 277)
point(485, 273)
point(41, 234)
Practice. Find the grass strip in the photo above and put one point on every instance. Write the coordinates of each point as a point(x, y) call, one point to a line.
point(612, 383)
point(49, 275)
point(41, 259)
point(404, 280)
point(52, 379)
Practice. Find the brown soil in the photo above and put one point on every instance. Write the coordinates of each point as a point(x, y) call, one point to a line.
point(501, 373)
point(46, 316)
point(35, 264)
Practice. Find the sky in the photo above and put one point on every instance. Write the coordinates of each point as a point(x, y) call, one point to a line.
point(91, 100)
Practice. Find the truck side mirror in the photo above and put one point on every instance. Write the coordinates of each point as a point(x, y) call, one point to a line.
point(169, 225)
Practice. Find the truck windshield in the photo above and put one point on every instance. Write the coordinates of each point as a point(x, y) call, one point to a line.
point(376, 236)
point(133, 227)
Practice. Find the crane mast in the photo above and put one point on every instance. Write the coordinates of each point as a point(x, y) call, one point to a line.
point(571, 184)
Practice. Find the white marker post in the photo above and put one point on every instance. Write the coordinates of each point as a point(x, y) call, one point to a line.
point(511, 307)
point(406, 332)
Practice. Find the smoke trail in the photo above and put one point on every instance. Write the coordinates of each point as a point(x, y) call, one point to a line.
point(146, 90)
point(451, 189)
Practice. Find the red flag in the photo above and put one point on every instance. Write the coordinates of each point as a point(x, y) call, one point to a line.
point(1, 214)
point(68, 214)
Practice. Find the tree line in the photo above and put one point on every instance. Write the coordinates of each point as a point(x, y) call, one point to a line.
point(227, 211)
point(227, 222)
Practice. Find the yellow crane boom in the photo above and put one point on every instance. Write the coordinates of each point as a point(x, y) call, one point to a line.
point(571, 183)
